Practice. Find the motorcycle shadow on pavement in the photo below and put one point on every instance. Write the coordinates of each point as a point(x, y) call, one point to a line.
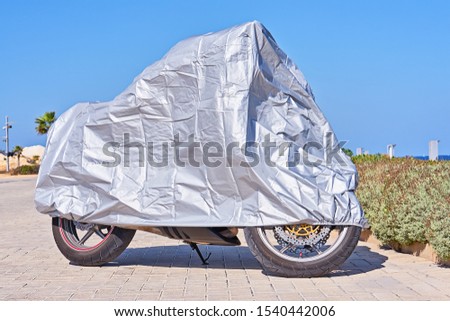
point(362, 260)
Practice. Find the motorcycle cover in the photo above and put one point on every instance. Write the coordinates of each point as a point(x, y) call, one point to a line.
point(159, 154)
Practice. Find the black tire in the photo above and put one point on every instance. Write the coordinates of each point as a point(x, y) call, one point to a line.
point(282, 265)
point(114, 241)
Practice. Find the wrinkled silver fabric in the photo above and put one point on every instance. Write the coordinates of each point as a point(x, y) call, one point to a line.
point(235, 85)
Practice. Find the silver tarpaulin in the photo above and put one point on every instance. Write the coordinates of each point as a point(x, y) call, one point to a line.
point(222, 131)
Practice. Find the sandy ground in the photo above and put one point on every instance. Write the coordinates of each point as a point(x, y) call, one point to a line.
point(12, 164)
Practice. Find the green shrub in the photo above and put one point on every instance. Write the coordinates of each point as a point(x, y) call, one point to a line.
point(406, 200)
point(25, 170)
point(347, 152)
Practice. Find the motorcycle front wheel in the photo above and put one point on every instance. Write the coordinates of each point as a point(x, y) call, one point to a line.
point(89, 244)
point(302, 250)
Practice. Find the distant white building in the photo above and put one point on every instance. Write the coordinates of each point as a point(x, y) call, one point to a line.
point(359, 151)
point(433, 151)
point(390, 150)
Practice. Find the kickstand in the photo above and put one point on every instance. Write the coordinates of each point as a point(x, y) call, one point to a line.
point(195, 247)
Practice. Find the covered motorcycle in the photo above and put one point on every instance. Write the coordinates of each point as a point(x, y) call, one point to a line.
point(222, 132)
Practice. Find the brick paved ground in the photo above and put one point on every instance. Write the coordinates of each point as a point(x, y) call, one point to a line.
point(156, 268)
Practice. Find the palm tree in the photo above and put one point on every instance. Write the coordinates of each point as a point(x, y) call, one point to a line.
point(44, 122)
point(18, 152)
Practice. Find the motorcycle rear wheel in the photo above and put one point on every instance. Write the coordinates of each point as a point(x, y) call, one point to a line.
point(89, 244)
point(287, 259)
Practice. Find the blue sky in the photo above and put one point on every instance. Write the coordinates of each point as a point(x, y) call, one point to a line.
point(380, 70)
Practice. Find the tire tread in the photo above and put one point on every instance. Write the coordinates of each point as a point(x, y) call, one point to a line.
point(116, 243)
point(280, 267)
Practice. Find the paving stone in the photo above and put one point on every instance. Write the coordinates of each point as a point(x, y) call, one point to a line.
point(156, 268)
point(386, 296)
point(363, 296)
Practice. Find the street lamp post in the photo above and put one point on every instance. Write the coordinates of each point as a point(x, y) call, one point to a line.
point(6, 128)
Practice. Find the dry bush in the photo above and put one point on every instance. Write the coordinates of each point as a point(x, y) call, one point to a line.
point(406, 200)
